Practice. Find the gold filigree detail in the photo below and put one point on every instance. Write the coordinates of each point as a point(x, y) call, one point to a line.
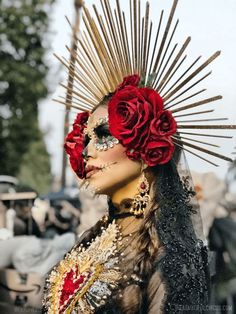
point(86, 276)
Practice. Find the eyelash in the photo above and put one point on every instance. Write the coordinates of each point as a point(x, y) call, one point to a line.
point(100, 133)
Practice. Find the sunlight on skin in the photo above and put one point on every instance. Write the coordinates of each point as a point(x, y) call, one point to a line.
point(119, 175)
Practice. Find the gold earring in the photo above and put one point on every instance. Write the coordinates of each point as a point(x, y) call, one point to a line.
point(142, 199)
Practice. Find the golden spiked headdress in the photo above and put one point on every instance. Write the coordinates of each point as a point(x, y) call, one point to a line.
point(116, 44)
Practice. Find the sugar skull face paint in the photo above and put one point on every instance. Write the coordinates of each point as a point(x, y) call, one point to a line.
point(100, 134)
point(106, 170)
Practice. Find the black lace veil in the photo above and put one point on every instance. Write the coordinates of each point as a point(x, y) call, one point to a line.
point(184, 266)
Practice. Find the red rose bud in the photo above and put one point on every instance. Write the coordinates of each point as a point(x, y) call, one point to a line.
point(164, 124)
point(132, 80)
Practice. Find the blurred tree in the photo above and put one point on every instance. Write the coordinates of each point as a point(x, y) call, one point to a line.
point(35, 168)
point(23, 71)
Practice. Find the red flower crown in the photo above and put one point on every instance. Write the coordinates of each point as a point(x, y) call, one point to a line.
point(137, 119)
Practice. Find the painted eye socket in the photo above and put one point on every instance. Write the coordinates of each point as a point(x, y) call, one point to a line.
point(102, 131)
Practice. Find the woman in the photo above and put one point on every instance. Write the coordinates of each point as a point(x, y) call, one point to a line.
point(145, 255)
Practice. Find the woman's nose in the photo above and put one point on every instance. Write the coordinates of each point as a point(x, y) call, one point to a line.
point(89, 151)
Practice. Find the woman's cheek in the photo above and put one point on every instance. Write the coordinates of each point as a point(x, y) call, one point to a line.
point(118, 152)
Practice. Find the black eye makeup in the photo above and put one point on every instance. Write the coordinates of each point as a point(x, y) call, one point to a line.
point(102, 131)
point(102, 138)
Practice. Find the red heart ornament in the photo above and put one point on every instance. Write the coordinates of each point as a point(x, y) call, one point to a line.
point(72, 283)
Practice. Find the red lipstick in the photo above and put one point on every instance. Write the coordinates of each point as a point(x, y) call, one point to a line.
point(90, 170)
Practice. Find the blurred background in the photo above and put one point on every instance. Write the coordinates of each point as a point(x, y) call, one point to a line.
point(42, 210)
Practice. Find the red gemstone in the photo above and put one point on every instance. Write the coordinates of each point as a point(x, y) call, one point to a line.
point(143, 186)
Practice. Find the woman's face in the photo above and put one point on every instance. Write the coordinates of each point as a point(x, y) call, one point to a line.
point(107, 170)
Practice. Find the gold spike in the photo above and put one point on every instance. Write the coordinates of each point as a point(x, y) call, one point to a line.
point(85, 45)
point(175, 2)
point(120, 45)
point(193, 113)
point(109, 39)
point(203, 120)
point(185, 72)
point(89, 72)
point(191, 152)
point(132, 37)
point(95, 53)
point(205, 127)
point(142, 45)
point(167, 61)
point(106, 56)
point(189, 88)
point(127, 43)
point(148, 51)
point(206, 151)
point(165, 79)
point(115, 36)
point(198, 103)
point(155, 44)
point(99, 47)
point(80, 104)
point(123, 36)
point(139, 37)
point(193, 140)
point(75, 76)
point(191, 76)
point(121, 42)
point(145, 40)
point(172, 73)
point(135, 36)
point(206, 135)
point(80, 94)
point(114, 57)
point(164, 55)
point(83, 80)
point(182, 100)
point(68, 105)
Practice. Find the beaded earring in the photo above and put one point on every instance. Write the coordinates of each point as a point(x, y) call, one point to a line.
point(142, 199)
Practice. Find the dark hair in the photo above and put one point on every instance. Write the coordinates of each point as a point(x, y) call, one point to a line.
point(183, 265)
point(167, 241)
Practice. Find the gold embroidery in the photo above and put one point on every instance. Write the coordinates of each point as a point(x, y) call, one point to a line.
point(85, 278)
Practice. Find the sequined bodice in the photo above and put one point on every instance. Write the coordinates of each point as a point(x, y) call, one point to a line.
point(87, 276)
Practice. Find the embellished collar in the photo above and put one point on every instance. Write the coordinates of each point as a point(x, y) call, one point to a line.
point(122, 210)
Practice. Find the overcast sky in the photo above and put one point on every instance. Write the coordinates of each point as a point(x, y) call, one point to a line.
point(210, 23)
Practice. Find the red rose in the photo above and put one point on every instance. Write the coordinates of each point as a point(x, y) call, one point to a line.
point(154, 99)
point(69, 142)
point(74, 144)
point(77, 161)
point(133, 154)
point(158, 151)
point(132, 80)
point(81, 118)
point(129, 116)
point(164, 124)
